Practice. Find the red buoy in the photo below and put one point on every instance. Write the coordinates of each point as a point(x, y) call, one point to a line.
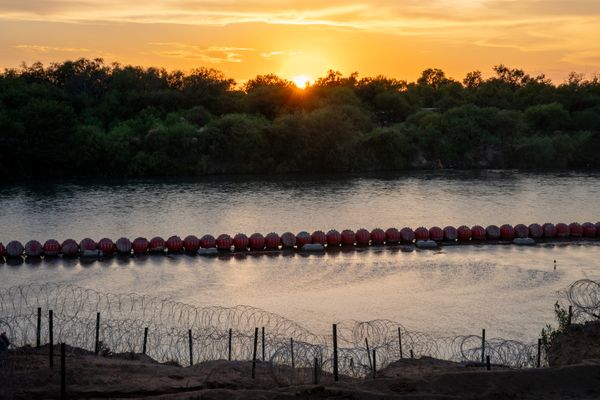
point(240, 242)
point(478, 232)
point(377, 236)
point(464, 233)
point(140, 245)
point(106, 246)
point(256, 241)
point(549, 230)
point(224, 242)
point(334, 238)
point(33, 248)
point(69, 248)
point(14, 249)
point(597, 225)
point(157, 244)
point(272, 241)
point(87, 244)
point(535, 231)
point(392, 235)
point(407, 235)
point(422, 233)
point(303, 238)
point(589, 229)
point(123, 245)
point(562, 230)
point(191, 243)
point(492, 232)
point(575, 230)
point(2, 249)
point(436, 233)
point(174, 244)
point(507, 232)
point(51, 248)
point(319, 237)
point(288, 240)
point(363, 237)
point(207, 242)
point(348, 237)
point(521, 231)
point(450, 234)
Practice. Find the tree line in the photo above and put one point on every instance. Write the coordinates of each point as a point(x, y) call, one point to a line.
point(87, 118)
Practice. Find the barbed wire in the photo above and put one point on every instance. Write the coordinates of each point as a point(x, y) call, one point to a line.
point(124, 318)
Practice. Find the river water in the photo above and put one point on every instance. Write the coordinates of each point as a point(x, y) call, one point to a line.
point(508, 290)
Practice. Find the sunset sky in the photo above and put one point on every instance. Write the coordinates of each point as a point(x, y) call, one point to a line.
point(292, 38)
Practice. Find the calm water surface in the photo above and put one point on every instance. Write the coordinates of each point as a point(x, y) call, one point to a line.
point(508, 290)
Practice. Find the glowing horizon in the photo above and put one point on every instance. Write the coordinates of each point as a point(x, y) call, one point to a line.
point(307, 38)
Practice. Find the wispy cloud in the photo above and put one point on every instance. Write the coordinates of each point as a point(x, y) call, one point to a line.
point(212, 54)
point(48, 49)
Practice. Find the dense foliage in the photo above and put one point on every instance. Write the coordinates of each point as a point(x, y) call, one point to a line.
point(86, 118)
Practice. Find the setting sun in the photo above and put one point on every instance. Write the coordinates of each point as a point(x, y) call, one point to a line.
point(302, 81)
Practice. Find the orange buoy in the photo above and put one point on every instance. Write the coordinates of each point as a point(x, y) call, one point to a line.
point(464, 233)
point(392, 235)
point(334, 238)
point(478, 232)
point(377, 236)
point(224, 242)
point(319, 237)
point(69, 248)
point(589, 229)
point(51, 248)
point(575, 230)
point(521, 231)
point(549, 230)
point(106, 246)
point(436, 233)
point(535, 231)
point(507, 232)
point(348, 237)
point(191, 243)
point(87, 244)
point(492, 232)
point(407, 235)
point(362, 237)
point(272, 241)
point(208, 242)
point(157, 244)
point(240, 242)
point(421, 233)
point(140, 245)
point(14, 248)
point(256, 241)
point(33, 248)
point(303, 238)
point(288, 240)
point(450, 234)
point(562, 230)
point(174, 244)
point(123, 245)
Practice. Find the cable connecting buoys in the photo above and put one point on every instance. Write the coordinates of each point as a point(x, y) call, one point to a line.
point(363, 237)
point(303, 238)
point(575, 230)
point(463, 233)
point(106, 246)
point(87, 244)
point(33, 248)
point(392, 235)
point(421, 233)
point(69, 248)
point(562, 230)
point(588, 229)
point(208, 242)
point(492, 232)
point(14, 249)
point(319, 237)
point(507, 232)
point(191, 243)
point(174, 244)
point(224, 242)
point(157, 244)
point(288, 240)
point(256, 241)
point(407, 235)
point(333, 238)
point(123, 245)
point(51, 248)
point(436, 234)
point(450, 234)
point(521, 231)
point(140, 245)
point(377, 236)
point(240, 242)
point(478, 232)
point(535, 231)
point(549, 230)
point(348, 237)
point(272, 241)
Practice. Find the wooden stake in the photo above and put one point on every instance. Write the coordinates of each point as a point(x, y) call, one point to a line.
point(254, 353)
point(145, 340)
point(336, 376)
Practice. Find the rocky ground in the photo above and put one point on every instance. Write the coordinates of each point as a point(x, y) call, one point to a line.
point(26, 376)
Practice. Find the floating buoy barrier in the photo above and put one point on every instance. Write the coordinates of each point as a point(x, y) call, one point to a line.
point(422, 238)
